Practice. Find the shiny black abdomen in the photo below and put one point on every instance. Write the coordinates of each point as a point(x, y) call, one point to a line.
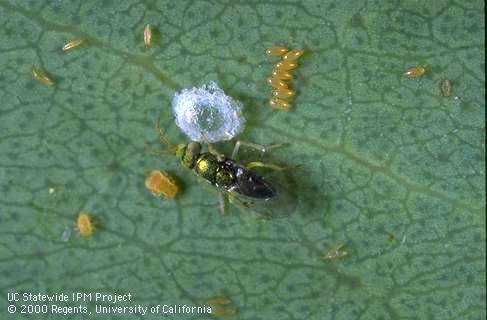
point(250, 184)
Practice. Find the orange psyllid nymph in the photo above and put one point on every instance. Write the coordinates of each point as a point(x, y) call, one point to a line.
point(160, 183)
point(85, 225)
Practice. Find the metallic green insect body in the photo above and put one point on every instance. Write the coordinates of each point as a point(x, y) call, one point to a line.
point(220, 171)
point(224, 172)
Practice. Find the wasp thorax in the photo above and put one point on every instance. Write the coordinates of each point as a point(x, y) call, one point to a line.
point(206, 166)
point(225, 176)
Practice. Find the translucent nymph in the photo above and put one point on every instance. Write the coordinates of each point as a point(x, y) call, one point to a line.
point(207, 114)
point(446, 87)
point(148, 36)
point(73, 44)
point(414, 72)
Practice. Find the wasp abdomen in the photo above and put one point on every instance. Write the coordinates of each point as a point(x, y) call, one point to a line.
point(229, 175)
point(251, 185)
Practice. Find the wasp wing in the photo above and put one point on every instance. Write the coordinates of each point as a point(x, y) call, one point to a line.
point(273, 196)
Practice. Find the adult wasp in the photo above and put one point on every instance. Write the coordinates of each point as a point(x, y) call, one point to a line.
point(241, 183)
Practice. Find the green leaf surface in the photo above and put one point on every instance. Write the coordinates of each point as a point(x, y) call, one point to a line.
point(387, 165)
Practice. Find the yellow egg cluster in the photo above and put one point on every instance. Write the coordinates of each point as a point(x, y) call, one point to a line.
point(281, 74)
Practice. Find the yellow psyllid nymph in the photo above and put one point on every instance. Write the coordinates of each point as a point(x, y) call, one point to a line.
point(42, 76)
point(85, 225)
point(414, 72)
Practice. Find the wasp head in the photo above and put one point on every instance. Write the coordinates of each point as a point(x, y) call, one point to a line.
point(189, 153)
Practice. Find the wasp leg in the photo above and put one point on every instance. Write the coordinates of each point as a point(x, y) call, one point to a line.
point(214, 151)
point(222, 204)
point(260, 164)
point(234, 200)
point(259, 147)
point(163, 139)
point(241, 204)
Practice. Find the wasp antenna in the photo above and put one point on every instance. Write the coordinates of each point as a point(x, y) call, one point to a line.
point(157, 152)
point(162, 135)
point(161, 152)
